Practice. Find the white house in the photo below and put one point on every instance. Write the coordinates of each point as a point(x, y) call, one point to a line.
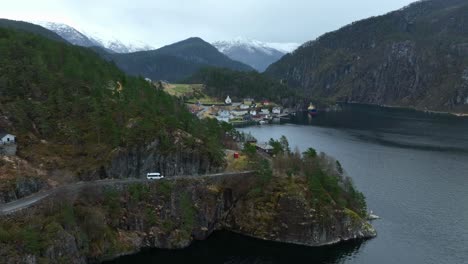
point(265, 111)
point(244, 107)
point(223, 119)
point(253, 112)
point(228, 100)
point(277, 110)
point(239, 113)
point(6, 138)
point(224, 113)
point(224, 116)
point(248, 101)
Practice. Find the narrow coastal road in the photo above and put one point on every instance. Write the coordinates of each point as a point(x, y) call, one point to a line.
point(26, 202)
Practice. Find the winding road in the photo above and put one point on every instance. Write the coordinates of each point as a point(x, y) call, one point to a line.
point(26, 202)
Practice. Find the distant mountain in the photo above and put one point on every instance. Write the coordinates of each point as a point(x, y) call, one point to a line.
point(70, 34)
point(78, 38)
point(177, 61)
point(255, 53)
point(118, 46)
point(414, 57)
point(173, 62)
point(31, 28)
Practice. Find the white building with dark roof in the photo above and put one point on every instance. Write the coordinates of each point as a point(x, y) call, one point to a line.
point(6, 138)
point(228, 100)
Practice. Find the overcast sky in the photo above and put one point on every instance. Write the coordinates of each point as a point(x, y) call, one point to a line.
point(160, 22)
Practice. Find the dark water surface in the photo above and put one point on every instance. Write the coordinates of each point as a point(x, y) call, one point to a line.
point(413, 169)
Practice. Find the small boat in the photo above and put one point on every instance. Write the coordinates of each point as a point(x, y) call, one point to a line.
point(312, 110)
point(262, 122)
point(371, 216)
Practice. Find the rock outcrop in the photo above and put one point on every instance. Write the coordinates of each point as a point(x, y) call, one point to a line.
point(137, 161)
point(106, 222)
point(21, 187)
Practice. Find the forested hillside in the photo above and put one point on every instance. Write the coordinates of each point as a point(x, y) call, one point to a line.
point(414, 57)
point(237, 84)
point(69, 108)
point(31, 28)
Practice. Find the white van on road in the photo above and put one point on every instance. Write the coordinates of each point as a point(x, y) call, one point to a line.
point(154, 176)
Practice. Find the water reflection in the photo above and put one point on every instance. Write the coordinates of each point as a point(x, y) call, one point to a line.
point(226, 247)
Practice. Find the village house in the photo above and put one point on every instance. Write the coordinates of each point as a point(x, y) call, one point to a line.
point(248, 101)
point(6, 138)
point(224, 116)
point(265, 111)
point(266, 102)
point(277, 110)
point(244, 107)
point(222, 119)
point(239, 112)
point(248, 138)
point(228, 100)
point(253, 112)
point(264, 147)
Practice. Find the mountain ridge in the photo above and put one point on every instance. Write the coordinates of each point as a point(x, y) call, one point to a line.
point(31, 28)
point(172, 62)
point(85, 39)
point(414, 57)
point(255, 53)
point(176, 61)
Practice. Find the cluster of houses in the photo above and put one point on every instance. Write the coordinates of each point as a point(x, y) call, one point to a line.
point(247, 110)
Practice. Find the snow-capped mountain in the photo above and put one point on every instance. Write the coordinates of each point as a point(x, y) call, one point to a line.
point(118, 46)
point(70, 34)
point(255, 53)
point(78, 38)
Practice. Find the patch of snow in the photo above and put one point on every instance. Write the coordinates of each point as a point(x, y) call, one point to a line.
point(284, 47)
point(68, 33)
point(253, 46)
point(117, 45)
point(86, 39)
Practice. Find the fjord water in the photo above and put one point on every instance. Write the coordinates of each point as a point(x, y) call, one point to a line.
point(413, 169)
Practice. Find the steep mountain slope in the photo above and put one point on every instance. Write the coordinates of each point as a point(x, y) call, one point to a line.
point(31, 28)
point(415, 57)
point(257, 54)
point(177, 61)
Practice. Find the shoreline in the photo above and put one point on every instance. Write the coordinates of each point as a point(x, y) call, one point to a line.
point(455, 114)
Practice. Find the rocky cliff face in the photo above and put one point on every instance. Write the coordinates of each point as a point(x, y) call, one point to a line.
point(289, 217)
point(21, 187)
point(133, 162)
point(415, 57)
point(136, 162)
point(107, 222)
